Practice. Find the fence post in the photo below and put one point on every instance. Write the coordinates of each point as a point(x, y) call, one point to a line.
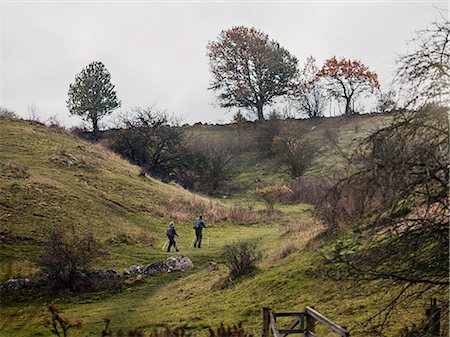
point(266, 322)
point(310, 324)
point(434, 318)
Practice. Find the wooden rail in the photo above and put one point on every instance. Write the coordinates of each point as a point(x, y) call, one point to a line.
point(325, 321)
point(304, 323)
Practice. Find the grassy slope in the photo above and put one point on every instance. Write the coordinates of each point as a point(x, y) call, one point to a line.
point(105, 193)
point(248, 164)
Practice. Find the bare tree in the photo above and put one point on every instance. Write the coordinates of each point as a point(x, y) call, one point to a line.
point(396, 197)
point(386, 101)
point(424, 74)
point(33, 113)
point(68, 249)
point(212, 165)
point(7, 113)
point(309, 96)
point(152, 140)
point(293, 150)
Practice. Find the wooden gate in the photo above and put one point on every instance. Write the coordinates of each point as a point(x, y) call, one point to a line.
point(304, 322)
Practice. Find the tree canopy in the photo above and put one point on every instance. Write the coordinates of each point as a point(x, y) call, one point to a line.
point(152, 140)
point(347, 79)
point(250, 70)
point(92, 95)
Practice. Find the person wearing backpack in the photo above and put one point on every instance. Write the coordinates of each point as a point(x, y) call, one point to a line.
point(198, 226)
point(171, 233)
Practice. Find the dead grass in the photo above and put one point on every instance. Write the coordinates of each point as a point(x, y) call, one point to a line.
point(214, 211)
point(287, 248)
point(18, 171)
point(297, 234)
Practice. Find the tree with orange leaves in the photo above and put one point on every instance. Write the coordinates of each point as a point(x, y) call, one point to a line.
point(347, 79)
point(250, 70)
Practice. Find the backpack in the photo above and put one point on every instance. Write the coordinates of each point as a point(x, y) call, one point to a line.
point(198, 224)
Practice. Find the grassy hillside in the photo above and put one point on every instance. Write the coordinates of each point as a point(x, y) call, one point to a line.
point(325, 133)
point(51, 177)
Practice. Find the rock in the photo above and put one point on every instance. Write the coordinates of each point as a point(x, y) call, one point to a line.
point(96, 280)
point(155, 268)
point(15, 284)
point(102, 274)
point(126, 272)
point(173, 263)
point(137, 269)
point(74, 159)
point(179, 263)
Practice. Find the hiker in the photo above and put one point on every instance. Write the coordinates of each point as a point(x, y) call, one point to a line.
point(198, 226)
point(171, 233)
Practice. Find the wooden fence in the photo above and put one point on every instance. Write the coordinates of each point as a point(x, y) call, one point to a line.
point(304, 322)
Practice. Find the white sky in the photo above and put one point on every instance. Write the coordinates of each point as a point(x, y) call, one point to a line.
point(156, 51)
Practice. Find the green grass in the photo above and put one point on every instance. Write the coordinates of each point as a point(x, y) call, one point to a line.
point(249, 164)
point(104, 193)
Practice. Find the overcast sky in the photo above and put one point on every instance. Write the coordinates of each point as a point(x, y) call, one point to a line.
point(156, 51)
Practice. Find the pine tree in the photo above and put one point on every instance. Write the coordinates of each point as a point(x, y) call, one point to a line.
point(92, 95)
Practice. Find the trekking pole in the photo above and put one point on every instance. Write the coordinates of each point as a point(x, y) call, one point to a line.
point(164, 245)
point(192, 242)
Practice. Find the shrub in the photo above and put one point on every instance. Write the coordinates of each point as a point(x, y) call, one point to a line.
point(242, 214)
point(293, 150)
point(241, 258)
point(210, 166)
point(152, 140)
point(59, 325)
point(272, 194)
point(308, 190)
point(67, 250)
point(7, 113)
point(186, 210)
point(221, 331)
point(265, 135)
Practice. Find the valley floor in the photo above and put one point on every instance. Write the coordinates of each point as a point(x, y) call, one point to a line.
point(198, 299)
point(102, 192)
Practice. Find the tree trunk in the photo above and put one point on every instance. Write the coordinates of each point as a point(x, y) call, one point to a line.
point(348, 108)
point(94, 118)
point(259, 108)
point(71, 280)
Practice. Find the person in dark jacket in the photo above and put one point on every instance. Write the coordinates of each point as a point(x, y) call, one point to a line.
point(198, 226)
point(171, 233)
